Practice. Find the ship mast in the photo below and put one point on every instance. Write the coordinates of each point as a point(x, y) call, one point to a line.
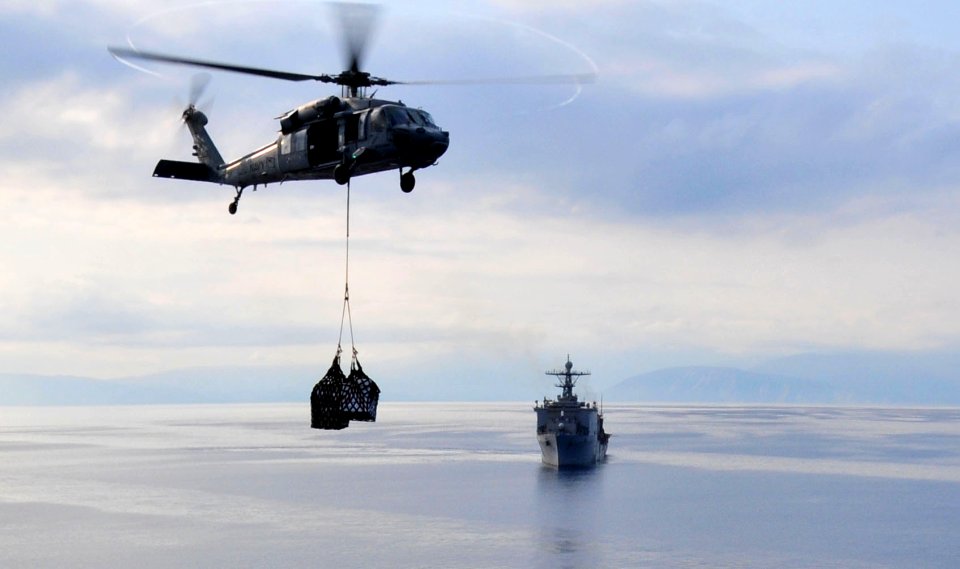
point(568, 379)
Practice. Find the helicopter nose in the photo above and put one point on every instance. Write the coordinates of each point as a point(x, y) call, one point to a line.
point(421, 147)
point(440, 144)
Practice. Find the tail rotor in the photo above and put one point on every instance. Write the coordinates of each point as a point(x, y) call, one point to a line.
point(198, 86)
point(197, 104)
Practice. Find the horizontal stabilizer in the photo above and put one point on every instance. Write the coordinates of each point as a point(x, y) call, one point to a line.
point(184, 171)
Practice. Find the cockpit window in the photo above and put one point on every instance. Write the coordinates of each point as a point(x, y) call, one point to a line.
point(420, 118)
point(396, 116)
point(401, 116)
point(424, 118)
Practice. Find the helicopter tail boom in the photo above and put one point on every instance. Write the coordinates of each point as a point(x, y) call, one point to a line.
point(210, 165)
point(203, 147)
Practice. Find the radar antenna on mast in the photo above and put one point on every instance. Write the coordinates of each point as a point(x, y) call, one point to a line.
point(568, 379)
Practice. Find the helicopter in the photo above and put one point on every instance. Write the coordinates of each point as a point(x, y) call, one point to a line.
point(334, 137)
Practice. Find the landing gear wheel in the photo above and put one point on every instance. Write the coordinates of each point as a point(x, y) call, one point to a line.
point(341, 173)
point(407, 182)
point(232, 208)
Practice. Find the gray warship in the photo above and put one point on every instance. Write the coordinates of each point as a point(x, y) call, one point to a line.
point(570, 431)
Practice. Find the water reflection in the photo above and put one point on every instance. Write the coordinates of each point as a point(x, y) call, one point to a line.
point(574, 480)
point(568, 516)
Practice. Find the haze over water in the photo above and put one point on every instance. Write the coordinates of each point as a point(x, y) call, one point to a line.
point(461, 485)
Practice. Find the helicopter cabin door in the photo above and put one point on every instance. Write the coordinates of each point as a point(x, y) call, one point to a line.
point(351, 130)
point(323, 146)
point(293, 151)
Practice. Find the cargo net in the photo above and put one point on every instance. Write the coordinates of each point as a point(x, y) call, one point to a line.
point(337, 399)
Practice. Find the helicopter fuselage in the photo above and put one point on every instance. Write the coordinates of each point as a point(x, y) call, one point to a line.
point(331, 138)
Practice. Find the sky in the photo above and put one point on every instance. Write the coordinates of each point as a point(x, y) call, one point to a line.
point(744, 180)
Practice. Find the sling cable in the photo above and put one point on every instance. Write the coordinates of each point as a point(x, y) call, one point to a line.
point(338, 399)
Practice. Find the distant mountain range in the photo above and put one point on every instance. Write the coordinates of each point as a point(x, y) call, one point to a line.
point(853, 378)
point(719, 385)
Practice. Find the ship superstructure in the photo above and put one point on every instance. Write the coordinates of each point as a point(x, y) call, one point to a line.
point(570, 431)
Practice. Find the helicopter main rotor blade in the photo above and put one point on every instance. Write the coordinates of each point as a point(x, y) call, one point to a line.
point(122, 53)
point(562, 79)
point(356, 24)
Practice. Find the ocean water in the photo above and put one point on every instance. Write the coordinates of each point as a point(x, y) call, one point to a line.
point(461, 485)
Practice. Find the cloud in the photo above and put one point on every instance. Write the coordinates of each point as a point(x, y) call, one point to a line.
point(427, 279)
point(661, 78)
point(697, 111)
point(45, 8)
point(58, 113)
point(812, 146)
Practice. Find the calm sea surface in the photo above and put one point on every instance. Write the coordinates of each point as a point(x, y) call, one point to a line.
point(461, 485)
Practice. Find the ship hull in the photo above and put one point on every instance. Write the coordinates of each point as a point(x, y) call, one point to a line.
point(562, 450)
